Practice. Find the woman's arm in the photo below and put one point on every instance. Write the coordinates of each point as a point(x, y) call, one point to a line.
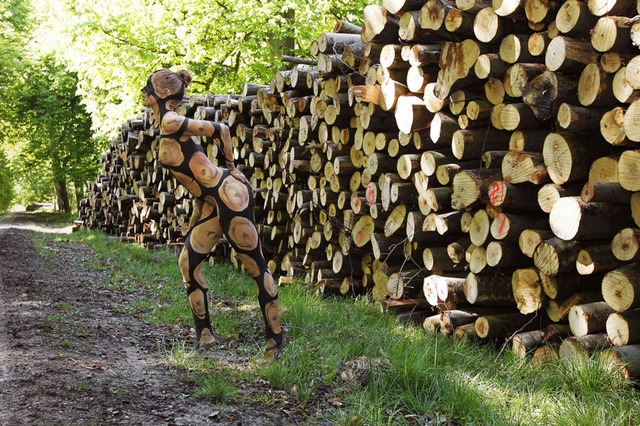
point(207, 128)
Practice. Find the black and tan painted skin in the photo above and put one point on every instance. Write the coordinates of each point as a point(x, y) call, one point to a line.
point(224, 206)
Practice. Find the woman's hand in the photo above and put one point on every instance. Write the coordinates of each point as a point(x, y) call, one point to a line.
point(239, 176)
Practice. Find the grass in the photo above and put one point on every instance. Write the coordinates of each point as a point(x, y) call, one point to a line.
point(350, 364)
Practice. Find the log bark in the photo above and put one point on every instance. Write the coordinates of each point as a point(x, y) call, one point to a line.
point(571, 218)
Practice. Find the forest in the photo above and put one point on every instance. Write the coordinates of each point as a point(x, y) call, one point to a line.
point(71, 73)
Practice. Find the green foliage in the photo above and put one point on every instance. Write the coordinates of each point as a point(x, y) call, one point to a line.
point(58, 146)
point(113, 45)
point(6, 183)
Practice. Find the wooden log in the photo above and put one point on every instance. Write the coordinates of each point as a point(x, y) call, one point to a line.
point(506, 195)
point(568, 55)
point(590, 318)
point(525, 343)
point(557, 310)
point(567, 157)
point(530, 238)
point(549, 194)
point(555, 255)
point(578, 119)
point(504, 325)
point(620, 287)
point(605, 192)
point(632, 121)
point(568, 283)
point(480, 227)
point(527, 290)
point(625, 245)
point(599, 258)
point(378, 25)
point(523, 166)
point(571, 218)
point(547, 91)
point(595, 87)
point(624, 358)
point(505, 255)
point(471, 186)
point(574, 19)
point(488, 290)
point(623, 328)
point(579, 348)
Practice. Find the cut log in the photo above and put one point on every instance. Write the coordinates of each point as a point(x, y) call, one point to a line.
point(471, 186)
point(580, 348)
point(595, 259)
point(378, 25)
point(505, 255)
point(523, 166)
point(546, 92)
point(621, 287)
point(568, 158)
point(624, 328)
point(530, 238)
point(605, 192)
point(505, 325)
point(555, 255)
point(525, 343)
point(557, 310)
point(589, 319)
point(549, 194)
point(625, 245)
point(571, 218)
point(568, 55)
point(506, 195)
point(563, 285)
point(488, 290)
point(508, 227)
point(625, 358)
point(527, 290)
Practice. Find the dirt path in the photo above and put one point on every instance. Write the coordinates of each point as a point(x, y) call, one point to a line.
point(68, 355)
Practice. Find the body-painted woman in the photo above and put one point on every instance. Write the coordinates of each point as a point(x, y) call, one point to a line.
point(224, 206)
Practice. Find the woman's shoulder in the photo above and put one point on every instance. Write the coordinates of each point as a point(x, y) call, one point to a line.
point(171, 122)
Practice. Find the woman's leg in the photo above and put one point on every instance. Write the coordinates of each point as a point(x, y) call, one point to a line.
point(238, 224)
point(204, 233)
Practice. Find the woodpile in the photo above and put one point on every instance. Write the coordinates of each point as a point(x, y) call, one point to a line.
point(473, 164)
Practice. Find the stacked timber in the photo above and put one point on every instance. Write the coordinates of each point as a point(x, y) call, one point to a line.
point(473, 164)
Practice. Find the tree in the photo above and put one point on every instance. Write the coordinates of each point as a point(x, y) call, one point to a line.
point(114, 45)
point(58, 148)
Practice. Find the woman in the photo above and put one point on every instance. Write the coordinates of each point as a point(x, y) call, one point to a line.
point(224, 206)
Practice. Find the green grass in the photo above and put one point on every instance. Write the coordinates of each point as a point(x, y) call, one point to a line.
point(350, 364)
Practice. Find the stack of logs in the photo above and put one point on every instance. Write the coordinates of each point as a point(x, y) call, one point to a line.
point(473, 159)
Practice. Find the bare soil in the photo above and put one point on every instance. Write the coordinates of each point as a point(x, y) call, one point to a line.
point(70, 355)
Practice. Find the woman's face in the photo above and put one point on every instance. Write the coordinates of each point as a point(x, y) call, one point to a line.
point(148, 93)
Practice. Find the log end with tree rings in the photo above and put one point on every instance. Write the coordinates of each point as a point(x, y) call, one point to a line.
point(621, 287)
point(500, 226)
point(527, 290)
point(486, 25)
point(510, 48)
point(589, 318)
point(632, 121)
point(558, 157)
point(589, 84)
point(471, 288)
point(479, 227)
point(626, 244)
point(547, 258)
point(618, 329)
point(629, 170)
point(565, 217)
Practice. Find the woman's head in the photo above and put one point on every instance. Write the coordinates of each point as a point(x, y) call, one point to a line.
point(166, 85)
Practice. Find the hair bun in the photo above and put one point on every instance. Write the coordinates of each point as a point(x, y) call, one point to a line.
point(185, 76)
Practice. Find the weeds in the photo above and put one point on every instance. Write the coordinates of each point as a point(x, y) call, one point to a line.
point(350, 364)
